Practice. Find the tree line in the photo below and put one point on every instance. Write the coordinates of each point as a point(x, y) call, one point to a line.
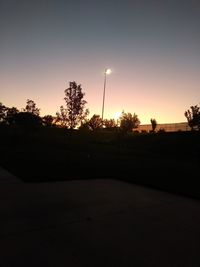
point(74, 115)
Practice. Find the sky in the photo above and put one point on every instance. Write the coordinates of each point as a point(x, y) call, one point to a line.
point(152, 47)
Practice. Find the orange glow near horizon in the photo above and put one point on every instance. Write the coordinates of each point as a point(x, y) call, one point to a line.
point(148, 98)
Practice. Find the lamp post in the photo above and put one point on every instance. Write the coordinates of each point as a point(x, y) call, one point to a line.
point(107, 71)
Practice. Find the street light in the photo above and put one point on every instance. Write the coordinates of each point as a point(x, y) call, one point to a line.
point(107, 71)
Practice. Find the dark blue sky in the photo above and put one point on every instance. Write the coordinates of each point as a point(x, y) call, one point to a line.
point(152, 46)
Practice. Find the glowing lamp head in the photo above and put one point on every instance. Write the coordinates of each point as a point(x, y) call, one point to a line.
point(117, 115)
point(107, 71)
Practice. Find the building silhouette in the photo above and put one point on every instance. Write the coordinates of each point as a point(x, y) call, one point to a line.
point(167, 127)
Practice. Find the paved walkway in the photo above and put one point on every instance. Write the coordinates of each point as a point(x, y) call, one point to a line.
point(96, 223)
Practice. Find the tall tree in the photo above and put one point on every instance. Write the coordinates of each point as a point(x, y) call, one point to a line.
point(31, 107)
point(128, 122)
point(193, 117)
point(75, 111)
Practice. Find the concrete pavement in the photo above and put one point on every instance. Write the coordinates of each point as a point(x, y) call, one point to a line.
point(96, 223)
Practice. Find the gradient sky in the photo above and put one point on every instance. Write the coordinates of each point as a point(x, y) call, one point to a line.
point(152, 47)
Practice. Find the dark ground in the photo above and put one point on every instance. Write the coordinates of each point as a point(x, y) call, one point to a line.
point(84, 221)
point(168, 161)
point(97, 223)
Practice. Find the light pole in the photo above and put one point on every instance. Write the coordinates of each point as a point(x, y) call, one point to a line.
point(107, 71)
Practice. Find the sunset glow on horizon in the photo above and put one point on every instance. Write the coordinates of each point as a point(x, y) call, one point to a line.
point(152, 48)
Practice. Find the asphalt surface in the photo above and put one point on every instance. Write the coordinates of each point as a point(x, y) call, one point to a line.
point(96, 223)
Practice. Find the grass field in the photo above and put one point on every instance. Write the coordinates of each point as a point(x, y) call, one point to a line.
point(167, 161)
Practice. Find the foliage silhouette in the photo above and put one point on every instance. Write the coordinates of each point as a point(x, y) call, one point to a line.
point(62, 117)
point(75, 111)
point(193, 117)
point(95, 122)
point(3, 113)
point(153, 124)
point(31, 107)
point(26, 120)
point(6, 114)
point(110, 124)
point(11, 112)
point(128, 122)
point(48, 120)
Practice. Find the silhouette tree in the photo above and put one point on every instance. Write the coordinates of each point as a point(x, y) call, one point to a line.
point(109, 124)
point(75, 112)
point(153, 124)
point(95, 122)
point(128, 122)
point(11, 112)
point(48, 120)
point(6, 114)
point(27, 120)
point(193, 117)
point(3, 113)
point(62, 117)
point(31, 107)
